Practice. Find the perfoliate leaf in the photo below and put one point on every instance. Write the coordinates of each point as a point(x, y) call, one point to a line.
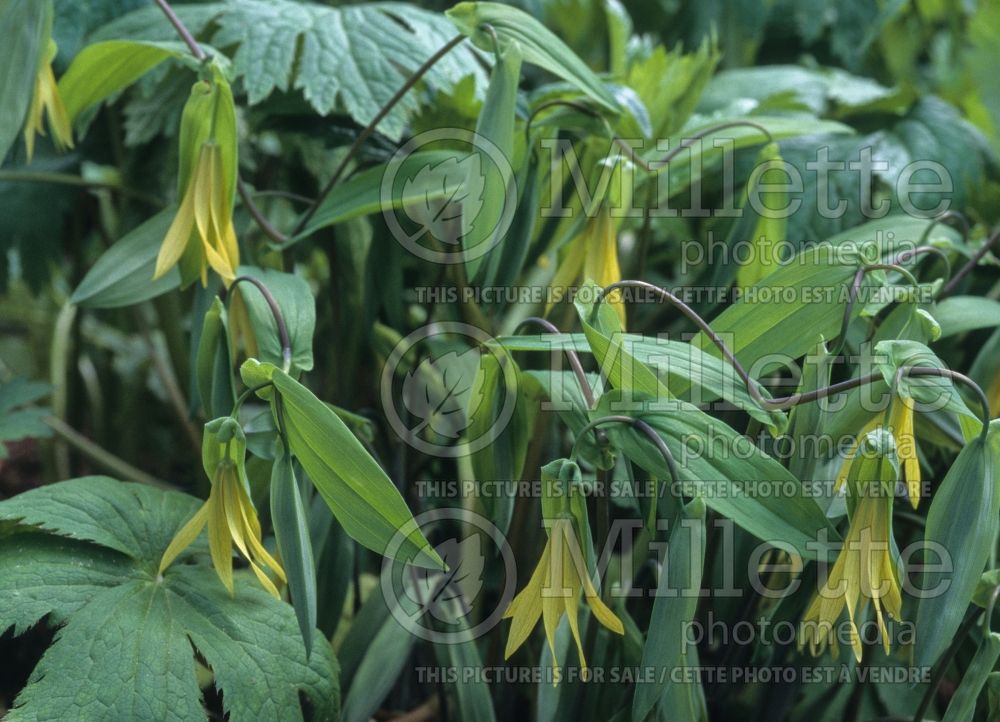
point(122, 275)
point(354, 486)
point(24, 32)
point(539, 45)
point(103, 69)
point(961, 524)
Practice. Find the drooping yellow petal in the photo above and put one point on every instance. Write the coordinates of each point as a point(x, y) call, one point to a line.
point(178, 236)
point(863, 572)
point(601, 258)
point(46, 100)
point(220, 543)
point(845, 466)
point(185, 537)
point(526, 608)
point(901, 425)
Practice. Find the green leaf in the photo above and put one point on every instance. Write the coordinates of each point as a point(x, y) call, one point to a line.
point(961, 528)
point(674, 608)
point(962, 707)
point(679, 365)
point(291, 530)
point(123, 275)
point(959, 314)
point(212, 363)
point(24, 31)
point(354, 486)
point(487, 226)
point(501, 455)
point(126, 647)
point(787, 324)
point(19, 418)
point(722, 466)
point(298, 309)
point(351, 58)
point(539, 46)
point(103, 69)
point(375, 653)
point(427, 179)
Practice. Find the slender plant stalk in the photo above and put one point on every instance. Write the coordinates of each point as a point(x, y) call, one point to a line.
point(69, 179)
point(370, 128)
point(279, 319)
point(571, 356)
point(102, 456)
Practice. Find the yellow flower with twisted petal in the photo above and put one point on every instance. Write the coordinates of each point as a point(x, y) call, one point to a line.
point(561, 575)
point(201, 235)
point(865, 570)
point(229, 513)
point(46, 101)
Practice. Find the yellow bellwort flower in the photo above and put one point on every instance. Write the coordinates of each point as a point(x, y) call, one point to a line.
point(201, 235)
point(203, 226)
point(901, 426)
point(561, 575)
point(229, 513)
point(863, 572)
point(554, 590)
point(47, 101)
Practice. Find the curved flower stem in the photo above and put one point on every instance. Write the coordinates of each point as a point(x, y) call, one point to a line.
point(182, 30)
point(655, 166)
point(644, 428)
point(945, 218)
point(904, 256)
point(967, 268)
point(279, 320)
point(773, 404)
point(258, 216)
point(370, 128)
point(852, 296)
point(961, 378)
point(571, 356)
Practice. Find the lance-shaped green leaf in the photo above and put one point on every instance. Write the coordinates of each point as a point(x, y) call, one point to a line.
point(291, 530)
point(769, 231)
point(677, 364)
point(962, 707)
point(958, 314)
point(212, 363)
point(500, 426)
point(121, 276)
point(715, 462)
point(484, 229)
point(961, 529)
point(295, 302)
point(423, 177)
point(788, 312)
point(539, 45)
point(354, 486)
point(24, 33)
point(103, 69)
point(674, 607)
